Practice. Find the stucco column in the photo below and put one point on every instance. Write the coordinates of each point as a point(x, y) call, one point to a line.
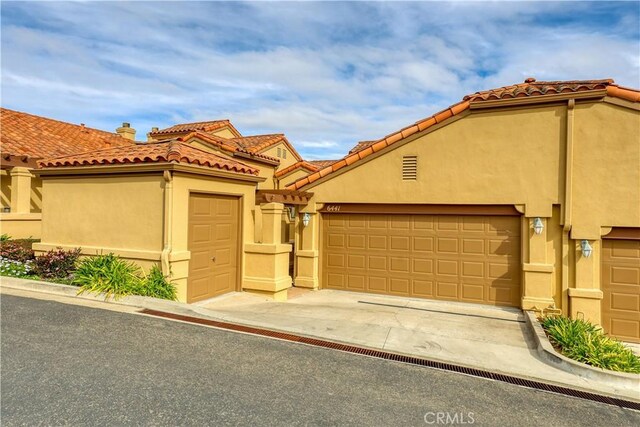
point(20, 190)
point(585, 298)
point(537, 271)
point(307, 254)
point(267, 263)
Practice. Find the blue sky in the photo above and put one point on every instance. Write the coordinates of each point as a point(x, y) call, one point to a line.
point(326, 74)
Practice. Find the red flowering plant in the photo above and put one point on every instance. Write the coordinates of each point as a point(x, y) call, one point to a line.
point(56, 264)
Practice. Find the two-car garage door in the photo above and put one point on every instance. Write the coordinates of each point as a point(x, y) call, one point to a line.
point(465, 258)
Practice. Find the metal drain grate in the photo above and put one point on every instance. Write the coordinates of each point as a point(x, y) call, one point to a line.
point(400, 358)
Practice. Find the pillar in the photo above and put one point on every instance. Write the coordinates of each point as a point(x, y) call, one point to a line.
point(307, 259)
point(585, 298)
point(20, 190)
point(267, 263)
point(537, 283)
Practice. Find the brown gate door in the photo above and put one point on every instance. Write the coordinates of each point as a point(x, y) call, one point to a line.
point(213, 243)
point(621, 287)
point(446, 257)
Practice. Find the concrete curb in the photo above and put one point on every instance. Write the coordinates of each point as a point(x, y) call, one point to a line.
point(548, 354)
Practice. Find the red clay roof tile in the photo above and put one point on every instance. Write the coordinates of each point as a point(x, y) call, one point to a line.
point(171, 151)
point(25, 134)
point(208, 126)
point(298, 165)
point(530, 88)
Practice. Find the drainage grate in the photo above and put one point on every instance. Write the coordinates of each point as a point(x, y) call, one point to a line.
point(400, 358)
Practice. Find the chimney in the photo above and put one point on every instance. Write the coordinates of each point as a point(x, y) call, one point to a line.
point(149, 137)
point(126, 131)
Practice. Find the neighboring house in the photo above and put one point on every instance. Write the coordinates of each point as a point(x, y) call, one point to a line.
point(268, 153)
point(26, 138)
point(525, 196)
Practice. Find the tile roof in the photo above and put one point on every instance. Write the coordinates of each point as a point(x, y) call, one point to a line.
point(25, 134)
point(228, 145)
point(208, 126)
point(298, 165)
point(322, 163)
point(361, 146)
point(256, 143)
point(530, 88)
point(170, 151)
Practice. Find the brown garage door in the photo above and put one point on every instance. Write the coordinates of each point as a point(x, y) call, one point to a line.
point(213, 243)
point(447, 257)
point(621, 287)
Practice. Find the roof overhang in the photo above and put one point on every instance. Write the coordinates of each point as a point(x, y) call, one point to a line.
point(256, 158)
point(287, 197)
point(137, 168)
point(546, 99)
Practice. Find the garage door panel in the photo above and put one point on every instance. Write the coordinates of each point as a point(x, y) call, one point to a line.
point(430, 256)
point(212, 241)
point(621, 289)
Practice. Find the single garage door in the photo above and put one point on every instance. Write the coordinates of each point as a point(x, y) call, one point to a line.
point(213, 243)
point(621, 287)
point(445, 257)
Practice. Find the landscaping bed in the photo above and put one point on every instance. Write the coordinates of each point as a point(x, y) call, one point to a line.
point(106, 274)
point(587, 343)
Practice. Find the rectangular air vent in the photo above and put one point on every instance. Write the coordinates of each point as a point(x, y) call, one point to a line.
point(409, 168)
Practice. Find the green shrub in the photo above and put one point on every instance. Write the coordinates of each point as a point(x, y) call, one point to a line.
point(57, 264)
point(115, 277)
point(16, 250)
point(107, 274)
point(584, 342)
point(13, 268)
point(156, 285)
point(5, 238)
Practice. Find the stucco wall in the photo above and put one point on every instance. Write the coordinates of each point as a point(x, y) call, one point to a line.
point(109, 213)
point(5, 188)
point(224, 133)
point(292, 177)
point(284, 162)
point(606, 175)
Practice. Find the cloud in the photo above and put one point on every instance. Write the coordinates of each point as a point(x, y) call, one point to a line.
point(326, 74)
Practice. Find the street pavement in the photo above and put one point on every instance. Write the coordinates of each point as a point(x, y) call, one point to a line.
point(66, 364)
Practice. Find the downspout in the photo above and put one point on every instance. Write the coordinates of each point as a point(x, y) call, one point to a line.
point(168, 222)
point(568, 200)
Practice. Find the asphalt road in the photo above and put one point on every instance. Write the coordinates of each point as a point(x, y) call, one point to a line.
point(74, 365)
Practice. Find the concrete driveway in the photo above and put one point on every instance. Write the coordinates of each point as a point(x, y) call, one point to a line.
point(484, 337)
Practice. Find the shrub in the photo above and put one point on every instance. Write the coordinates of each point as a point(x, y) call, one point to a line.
point(13, 268)
point(156, 285)
point(115, 277)
point(5, 238)
point(16, 250)
point(584, 342)
point(107, 274)
point(57, 264)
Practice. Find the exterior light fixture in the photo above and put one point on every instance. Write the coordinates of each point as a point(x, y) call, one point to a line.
point(305, 219)
point(292, 213)
point(586, 248)
point(538, 226)
point(6, 209)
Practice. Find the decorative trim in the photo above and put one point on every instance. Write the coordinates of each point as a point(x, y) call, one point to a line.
point(623, 233)
point(586, 293)
point(372, 208)
point(538, 268)
point(287, 197)
point(546, 99)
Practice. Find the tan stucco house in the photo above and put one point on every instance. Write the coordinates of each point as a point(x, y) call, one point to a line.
point(525, 196)
point(25, 140)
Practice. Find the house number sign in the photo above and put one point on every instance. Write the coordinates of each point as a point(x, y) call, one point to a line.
point(333, 208)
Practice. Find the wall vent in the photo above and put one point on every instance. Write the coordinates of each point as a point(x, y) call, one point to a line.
point(409, 168)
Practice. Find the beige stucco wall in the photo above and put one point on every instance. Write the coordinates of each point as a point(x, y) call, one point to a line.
point(224, 133)
point(122, 214)
point(292, 177)
point(5, 188)
point(183, 185)
point(273, 152)
point(517, 156)
point(26, 224)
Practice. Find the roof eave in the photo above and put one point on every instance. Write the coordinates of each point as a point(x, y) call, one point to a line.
point(543, 99)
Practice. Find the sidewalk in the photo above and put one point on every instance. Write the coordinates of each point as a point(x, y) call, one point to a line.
point(482, 337)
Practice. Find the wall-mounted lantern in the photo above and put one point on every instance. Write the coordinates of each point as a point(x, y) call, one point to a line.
point(306, 218)
point(586, 248)
point(538, 226)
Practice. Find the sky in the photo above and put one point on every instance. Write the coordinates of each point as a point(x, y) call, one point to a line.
point(326, 74)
